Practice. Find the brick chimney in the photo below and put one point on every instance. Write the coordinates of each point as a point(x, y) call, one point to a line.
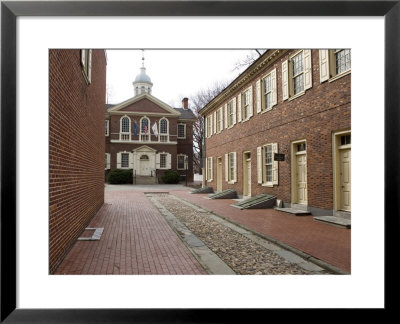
point(185, 103)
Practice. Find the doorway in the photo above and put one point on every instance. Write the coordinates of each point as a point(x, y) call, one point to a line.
point(219, 174)
point(299, 173)
point(246, 174)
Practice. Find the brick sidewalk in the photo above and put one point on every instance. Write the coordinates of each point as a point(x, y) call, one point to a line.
point(325, 242)
point(136, 240)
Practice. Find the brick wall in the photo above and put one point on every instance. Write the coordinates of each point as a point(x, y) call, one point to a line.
point(76, 147)
point(184, 146)
point(314, 116)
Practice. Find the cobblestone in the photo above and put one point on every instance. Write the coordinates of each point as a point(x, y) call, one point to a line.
point(240, 253)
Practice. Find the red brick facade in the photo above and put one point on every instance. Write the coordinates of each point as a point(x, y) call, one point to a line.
point(76, 147)
point(314, 116)
point(151, 108)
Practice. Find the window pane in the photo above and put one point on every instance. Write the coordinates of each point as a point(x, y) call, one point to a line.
point(125, 125)
point(124, 160)
point(181, 130)
point(163, 126)
point(144, 125)
point(163, 160)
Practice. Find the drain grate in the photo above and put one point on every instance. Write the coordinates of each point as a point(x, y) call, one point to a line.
point(95, 236)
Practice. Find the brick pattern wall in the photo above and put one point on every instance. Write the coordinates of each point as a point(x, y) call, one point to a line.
point(184, 146)
point(76, 148)
point(314, 116)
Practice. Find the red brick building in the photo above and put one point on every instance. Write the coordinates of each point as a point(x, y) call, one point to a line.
point(294, 104)
point(77, 88)
point(147, 136)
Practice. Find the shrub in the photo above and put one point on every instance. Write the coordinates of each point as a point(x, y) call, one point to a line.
point(170, 176)
point(119, 176)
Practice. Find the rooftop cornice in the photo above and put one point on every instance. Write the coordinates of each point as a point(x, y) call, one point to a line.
point(259, 65)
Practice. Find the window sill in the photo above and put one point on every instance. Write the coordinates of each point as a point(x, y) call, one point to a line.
point(231, 182)
point(267, 184)
point(210, 180)
point(297, 95)
point(265, 110)
point(338, 76)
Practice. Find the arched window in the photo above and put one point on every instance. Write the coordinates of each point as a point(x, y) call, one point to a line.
point(125, 133)
point(144, 129)
point(164, 130)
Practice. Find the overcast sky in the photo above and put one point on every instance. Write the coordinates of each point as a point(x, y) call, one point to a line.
point(175, 74)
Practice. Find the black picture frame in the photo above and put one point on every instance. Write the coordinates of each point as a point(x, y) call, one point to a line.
point(11, 10)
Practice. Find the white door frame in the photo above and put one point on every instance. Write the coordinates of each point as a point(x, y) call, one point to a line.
point(336, 147)
point(246, 161)
point(294, 192)
point(219, 173)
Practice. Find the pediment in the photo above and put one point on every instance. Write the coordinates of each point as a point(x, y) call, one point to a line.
point(144, 104)
point(144, 148)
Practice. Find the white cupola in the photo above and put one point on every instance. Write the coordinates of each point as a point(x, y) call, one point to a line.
point(142, 83)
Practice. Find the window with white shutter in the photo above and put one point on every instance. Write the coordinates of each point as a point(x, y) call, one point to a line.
point(334, 63)
point(267, 168)
point(296, 74)
point(209, 169)
point(267, 91)
point(231, 167)
point(246, 100)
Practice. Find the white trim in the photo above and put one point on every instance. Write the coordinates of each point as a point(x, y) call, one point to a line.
point(185, 164)
point(121, 134)
point(107, 127)
point(177, 130)
point(158, 102)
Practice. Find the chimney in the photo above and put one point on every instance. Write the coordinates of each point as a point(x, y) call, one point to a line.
point(185, 103)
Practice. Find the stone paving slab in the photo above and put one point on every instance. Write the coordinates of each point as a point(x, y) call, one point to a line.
point(136, 240)
point(321, 242)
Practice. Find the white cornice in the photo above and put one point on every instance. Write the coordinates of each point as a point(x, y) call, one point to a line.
point(156, 101)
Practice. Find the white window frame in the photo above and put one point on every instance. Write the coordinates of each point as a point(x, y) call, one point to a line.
point(107, 160)
point(328, 66)
point(185, 164)
point(209, 125)
point(184, 130)
point(288, 77)
point(246, 107)
point(232, 167)
point(107, 126)
point(220, 120)
point(231, 114)
point(165, 156)
point(209, 170)
point(125, 136)
point(122, 155)
point(263, 168)
point(163, 137)
point(86, 63)
point(144, 137)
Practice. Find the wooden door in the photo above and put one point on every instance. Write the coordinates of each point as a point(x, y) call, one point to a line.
point(345, 179)
point(301, 164)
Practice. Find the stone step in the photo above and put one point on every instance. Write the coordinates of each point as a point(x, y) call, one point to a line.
point(226, 194)
point(294, 211)
point(145, 180)
point(333, 220)
point(257, 202)
point(203, 190)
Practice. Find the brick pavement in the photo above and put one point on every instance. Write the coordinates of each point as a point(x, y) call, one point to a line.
point(136, 240)
point(325, 242)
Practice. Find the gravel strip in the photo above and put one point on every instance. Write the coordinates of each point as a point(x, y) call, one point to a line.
point(240, 253)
